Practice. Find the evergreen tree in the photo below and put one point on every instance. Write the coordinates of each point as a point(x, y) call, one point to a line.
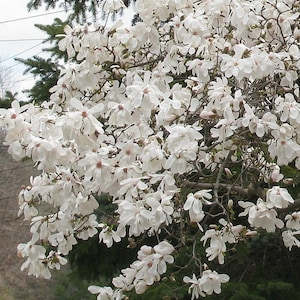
point(79, 8)
point(45, 70)
point(8, 98)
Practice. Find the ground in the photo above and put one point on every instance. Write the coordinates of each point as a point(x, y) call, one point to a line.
point(14, 283)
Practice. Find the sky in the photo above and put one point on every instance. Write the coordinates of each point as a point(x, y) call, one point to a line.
point(20, 38)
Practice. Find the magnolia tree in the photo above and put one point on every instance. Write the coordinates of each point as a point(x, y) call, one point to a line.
point(186, 120)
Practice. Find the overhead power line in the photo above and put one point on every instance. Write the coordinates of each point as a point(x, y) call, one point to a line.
point(21, 52)
point(23, 40)
point(35, 16)
point(25, 79)
point(19, 63)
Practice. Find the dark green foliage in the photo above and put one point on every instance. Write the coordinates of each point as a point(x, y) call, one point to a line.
point(53, 31)
point(168, 290)
point(89, 259)
point(236, 291)
point(68, 288)
point(260, 268)
point(293, 173)
point(277, 290)
point(8, 98)
point(5, 103)
point(264, 290)
point(78, 9)
point(45, 71)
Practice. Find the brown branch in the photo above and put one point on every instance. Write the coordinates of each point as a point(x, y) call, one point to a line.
point(290, 208)
point(206, 185)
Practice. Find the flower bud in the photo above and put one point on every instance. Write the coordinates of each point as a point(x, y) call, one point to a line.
point(228, 173)
point(251, 233)
point(288, 181)
point(207, 115)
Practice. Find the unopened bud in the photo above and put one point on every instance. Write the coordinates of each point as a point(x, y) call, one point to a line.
point(170, 117)
point(207, 115)
point(19, 254)
point(228, 173)
point(230, 204)
point(251, 233)
point(288, 181)
point(132, 244)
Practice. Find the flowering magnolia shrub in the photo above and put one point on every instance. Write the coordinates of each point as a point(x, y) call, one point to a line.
point(187, 120)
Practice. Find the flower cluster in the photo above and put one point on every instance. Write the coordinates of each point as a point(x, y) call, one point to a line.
point(184, 117)
point(207, 284)
point(227, 233)
point(142, 273)
point(263, 214)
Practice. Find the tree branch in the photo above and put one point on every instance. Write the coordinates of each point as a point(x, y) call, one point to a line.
point(206, 185)
point(290, 208)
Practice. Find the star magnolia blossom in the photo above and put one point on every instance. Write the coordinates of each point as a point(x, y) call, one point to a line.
point(185, 117)
point(208, 283)
point(194, 204)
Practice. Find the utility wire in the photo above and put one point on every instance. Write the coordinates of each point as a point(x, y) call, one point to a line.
point(25, 79)
point(19, 63)
point(20, 53)
point(17, 168)
point(23, 40)
point(35, 16)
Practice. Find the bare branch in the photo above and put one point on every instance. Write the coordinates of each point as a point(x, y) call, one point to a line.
point(206, 185)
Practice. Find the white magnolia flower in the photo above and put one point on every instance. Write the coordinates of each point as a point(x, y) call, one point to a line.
point(195, 287)
point(278, 197)
point(293, 220)
point(104, 293)
point(108, 235)
point(87, 227)
point(211, 281)
point(85, 118)
point(55, 260)
point(260, 216)
point(162, 208)
point(290, 239)
point(236, 65)
point(135, 215)
point(227, 233)
point(194, 204)
point(275, 175)
point(36, 258)
point(151, 264)
point(216, 249)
